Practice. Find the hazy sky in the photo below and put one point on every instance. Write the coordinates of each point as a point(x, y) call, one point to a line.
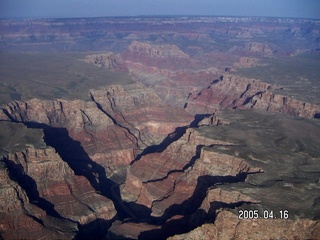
point(95, 8)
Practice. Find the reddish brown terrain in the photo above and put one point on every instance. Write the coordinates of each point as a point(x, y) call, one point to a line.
point(160, 128)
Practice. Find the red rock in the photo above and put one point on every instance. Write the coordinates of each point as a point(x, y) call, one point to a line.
point(123, 120)
point(259, 48)
point(107, 60)
point(48, 179)
point(246, 62)
point(102, 140)
point(163, 56)
point(73, 196)
point(244, 93)
point(159, 180)
point(17, 214)
point(140, 110)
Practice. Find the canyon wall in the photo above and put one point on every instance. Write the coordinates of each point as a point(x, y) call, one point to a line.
point(176, 152)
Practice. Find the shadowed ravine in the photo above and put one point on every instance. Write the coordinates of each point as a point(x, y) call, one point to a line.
point(62, 225)
point(165, 217)
point(79, 161)
point(172, 137)
point(148, 127)
point(115, 122)
point(193, 216)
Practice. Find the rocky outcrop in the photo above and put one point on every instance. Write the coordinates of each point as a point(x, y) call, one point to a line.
point(259, 48)
point(161, 56)
point(129, 230)
point(246, 62)
point(243, 93)
point(173, 187)
point(19, 219)
point(56, 113)
point(214, 119)
point(159, 180)
point(279, 103)
point(207, 90)
point(48, 196)
point(173, 86)
point(141, 111)
point(230, 91)
point(106, 60)
point(102, 139)
point(155, 51)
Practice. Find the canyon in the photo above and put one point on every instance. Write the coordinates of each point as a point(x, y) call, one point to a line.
point(159, 128)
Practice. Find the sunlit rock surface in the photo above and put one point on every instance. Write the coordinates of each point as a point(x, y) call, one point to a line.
point(159, 127)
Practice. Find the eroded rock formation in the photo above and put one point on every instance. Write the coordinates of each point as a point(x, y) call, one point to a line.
point(141, 111)
point(238, 92)
point(107, 60)
point(42, 196)
point(176, 154)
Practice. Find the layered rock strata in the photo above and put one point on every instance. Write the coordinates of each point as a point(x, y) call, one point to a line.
point(243, 93)
point(141, 111)
point(106, 60)
point(128, 165)
point(77, 123)
point(208, 90)
point(47, 199)
point(162, 179)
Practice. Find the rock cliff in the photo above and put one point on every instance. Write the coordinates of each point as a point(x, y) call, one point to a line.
point(259, 48)
point(161, 56)
point(41, 196)
point(208, 90)
point(160, 179)
point(238, 92)
point(175, 152)
point(79, 125)
point(141, 111)
point(107, 60)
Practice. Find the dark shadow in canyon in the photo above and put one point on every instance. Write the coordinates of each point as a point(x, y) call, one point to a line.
point(5, 111)
point(203, 184)
point(97, 229)
point(185, 167)
point(52, 220)
point(28, 184)
point(193, 217)
point(249, 99)
point(76, 157)
point(172, 137)
point(80, 162)
point(115, 121)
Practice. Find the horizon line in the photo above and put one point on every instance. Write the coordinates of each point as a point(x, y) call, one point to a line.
point(154, 16)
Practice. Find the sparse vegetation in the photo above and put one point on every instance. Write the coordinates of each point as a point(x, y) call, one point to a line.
point(51, 75)
point(14, 137)
point(296, 76)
